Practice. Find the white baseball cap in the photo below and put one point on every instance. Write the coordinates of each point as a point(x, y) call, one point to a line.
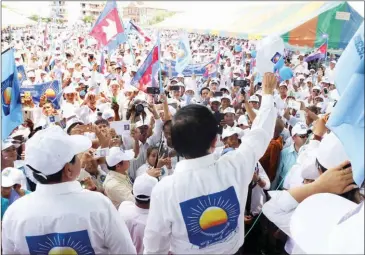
point(229, 110)
point(50, 149)
point(333, 61)
point(299, 129)
point(142, 123)
point(283, 84)
point(69, 89)
point(307, 161)
point(11, 176)
point(215, 99)
point(242, 120)
point(116, 155)
point(31, 74)
point(316, 88)
point(331, 152)
point(226, 96)
point(143, 186)
point(254, 98)
point(328, 224)
point(8, 143)
point(229, 131)
point(109, 113)
point(180, 84)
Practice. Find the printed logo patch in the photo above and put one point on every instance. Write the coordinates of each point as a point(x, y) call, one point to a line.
point(211, 219)
point(61, 243)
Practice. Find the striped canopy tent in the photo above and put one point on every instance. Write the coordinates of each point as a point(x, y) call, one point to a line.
point(339, 21)
point(301, 24)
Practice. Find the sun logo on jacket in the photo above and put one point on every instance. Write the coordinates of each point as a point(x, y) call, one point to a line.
point(212, 218)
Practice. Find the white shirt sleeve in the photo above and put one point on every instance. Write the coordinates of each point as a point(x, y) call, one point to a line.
point(157, 131)
point(264, 177)
point(117, 236)
point(280, 209)
point(262, 131)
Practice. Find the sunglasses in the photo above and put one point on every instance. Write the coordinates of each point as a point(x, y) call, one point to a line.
point(303, 136)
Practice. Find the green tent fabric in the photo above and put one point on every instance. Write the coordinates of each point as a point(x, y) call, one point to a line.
point(339, 21)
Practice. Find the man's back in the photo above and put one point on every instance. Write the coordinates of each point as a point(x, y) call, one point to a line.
point(136, 219)
point(64, 218)
point(200, 209)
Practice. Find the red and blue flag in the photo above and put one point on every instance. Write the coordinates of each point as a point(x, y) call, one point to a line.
point(108, 29)
point(147, 74)
point(139, 30)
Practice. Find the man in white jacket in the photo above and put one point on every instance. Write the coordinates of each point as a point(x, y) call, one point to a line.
point(61, 217)
point(200, 208)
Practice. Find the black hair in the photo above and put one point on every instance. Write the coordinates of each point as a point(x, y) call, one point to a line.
point(166, 124)
point(193, 129)
point(201, 91)
point(35, 131)
point(101, 121)
point(113, 168)
point(142, 202)
point(53, 178)
point(69, 129)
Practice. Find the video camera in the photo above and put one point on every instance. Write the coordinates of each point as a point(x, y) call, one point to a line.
point(137, 107)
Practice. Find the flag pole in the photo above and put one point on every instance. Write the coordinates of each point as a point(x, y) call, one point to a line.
point(130, 46)
point(159, 62)
point(325, 61)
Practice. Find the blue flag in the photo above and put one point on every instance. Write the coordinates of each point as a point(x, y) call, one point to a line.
point(51, 89)
point(347, 118)
point(12, 115)
point(183, 56)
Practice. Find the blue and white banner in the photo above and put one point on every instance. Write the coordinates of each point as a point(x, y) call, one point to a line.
point(51, 89)
point(183, 56)
point(208, 69)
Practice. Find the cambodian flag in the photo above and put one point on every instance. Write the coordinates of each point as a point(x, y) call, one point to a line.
point(108, 29)
point(139, 30)
point(146, 75)
point(319, 54)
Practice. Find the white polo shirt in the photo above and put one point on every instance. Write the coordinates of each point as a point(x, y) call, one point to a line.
point(64, 218)
point(136, 219)
point(200, 208)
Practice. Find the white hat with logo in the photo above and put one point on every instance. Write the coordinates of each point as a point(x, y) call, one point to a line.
point(299, 129)
point(50, 149)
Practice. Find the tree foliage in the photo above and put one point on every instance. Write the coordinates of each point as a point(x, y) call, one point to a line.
point(88, 19)
point(160, 16)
